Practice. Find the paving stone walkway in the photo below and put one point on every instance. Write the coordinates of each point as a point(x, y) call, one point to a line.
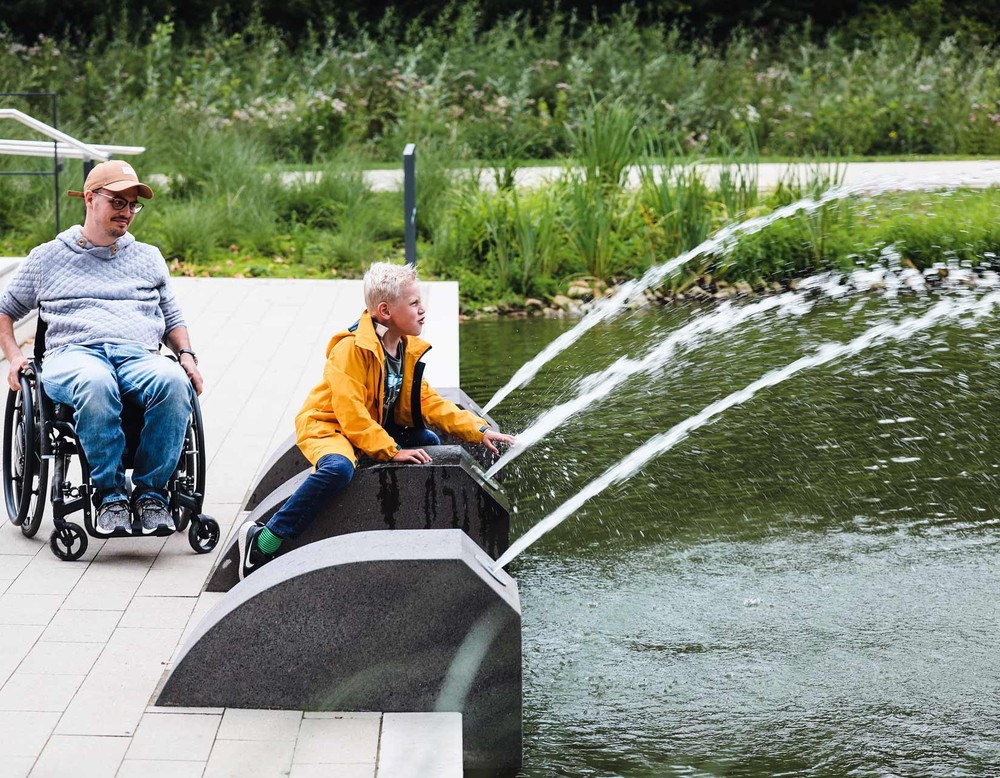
point(84, 644)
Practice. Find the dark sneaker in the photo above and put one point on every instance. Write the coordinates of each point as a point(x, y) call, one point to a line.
point(153, 515)
point(113, 516)
point(251, 557)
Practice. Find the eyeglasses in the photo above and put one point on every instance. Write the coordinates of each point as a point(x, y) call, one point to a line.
point(119, 203)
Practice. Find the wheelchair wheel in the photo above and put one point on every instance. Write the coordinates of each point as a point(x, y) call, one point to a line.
point(25, 473)
point(196, 449)
point(203, 534)
point(68, 543)
point(34, 518)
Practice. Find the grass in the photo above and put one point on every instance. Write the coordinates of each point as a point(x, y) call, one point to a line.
point(225, 116)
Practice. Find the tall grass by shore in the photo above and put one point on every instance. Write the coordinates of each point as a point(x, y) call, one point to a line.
point(222, 119)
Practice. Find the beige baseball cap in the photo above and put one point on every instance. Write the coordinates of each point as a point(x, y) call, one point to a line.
point(115, 176)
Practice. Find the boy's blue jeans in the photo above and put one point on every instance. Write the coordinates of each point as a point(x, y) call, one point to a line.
point(332, 475)
point(94, 381)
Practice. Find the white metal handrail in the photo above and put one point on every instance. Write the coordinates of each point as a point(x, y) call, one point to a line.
point(42, 148)
point(87, 151)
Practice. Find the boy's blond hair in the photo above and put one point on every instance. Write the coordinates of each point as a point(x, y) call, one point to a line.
point(384, 282)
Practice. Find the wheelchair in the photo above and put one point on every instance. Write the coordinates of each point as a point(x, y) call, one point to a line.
point(39, 434)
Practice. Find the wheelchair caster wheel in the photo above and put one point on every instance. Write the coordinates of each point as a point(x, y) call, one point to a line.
point(68, 543)
point(203, 534)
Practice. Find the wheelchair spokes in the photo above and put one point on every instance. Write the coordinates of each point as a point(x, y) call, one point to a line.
point(25, 472)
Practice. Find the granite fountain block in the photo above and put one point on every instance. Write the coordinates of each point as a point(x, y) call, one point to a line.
point(371, 621)
point(286, 461)
point(451, 492)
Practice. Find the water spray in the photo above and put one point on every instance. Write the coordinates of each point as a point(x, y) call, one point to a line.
point(721, 242)
point(946, 309)
point(599, 385)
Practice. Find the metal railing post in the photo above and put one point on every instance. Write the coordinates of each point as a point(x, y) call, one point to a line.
point(55, 159)
point(410, 202)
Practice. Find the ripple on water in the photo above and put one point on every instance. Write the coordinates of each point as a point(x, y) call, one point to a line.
point(756, 602)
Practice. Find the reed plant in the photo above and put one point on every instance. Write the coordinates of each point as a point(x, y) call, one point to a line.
point(536, 237)
point(678, 205)
point(590, 220)
point(605, 141)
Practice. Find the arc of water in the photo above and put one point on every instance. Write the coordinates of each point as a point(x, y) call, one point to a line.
point(880, 333)
point(601, 384)
point(721, 241)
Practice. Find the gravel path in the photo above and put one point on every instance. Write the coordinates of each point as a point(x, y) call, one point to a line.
point(895, 175)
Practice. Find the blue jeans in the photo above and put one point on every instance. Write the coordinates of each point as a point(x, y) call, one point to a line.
point(95, 381)
point(332, 475)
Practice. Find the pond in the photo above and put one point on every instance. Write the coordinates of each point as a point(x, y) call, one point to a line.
point(807, 584)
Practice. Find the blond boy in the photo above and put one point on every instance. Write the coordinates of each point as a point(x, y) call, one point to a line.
point(373, 401)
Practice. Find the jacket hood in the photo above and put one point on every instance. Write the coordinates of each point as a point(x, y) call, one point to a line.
point(73, 238)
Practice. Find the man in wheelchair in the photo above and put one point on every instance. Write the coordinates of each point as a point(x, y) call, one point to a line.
point(107, 304)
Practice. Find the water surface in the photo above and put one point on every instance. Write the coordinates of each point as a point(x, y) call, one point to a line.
point(806, 586)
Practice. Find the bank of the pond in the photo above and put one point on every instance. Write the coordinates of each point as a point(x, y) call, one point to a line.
point(545, 252)
point(549, 249)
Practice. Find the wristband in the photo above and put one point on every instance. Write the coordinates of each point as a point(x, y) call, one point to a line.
point(188, 351)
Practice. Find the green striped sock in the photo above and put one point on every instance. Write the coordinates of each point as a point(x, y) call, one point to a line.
point(267, 541)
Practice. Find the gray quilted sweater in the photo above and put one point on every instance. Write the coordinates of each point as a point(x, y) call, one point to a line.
point(90, 294)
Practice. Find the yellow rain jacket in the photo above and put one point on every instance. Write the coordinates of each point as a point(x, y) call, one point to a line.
point(343, 413)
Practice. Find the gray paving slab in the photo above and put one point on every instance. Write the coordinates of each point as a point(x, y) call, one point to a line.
point(15, 766)
point(39, 692)
point(81, 757)
point(170, 736)
point(337, 740)
point(160, 768)
point(325, 771)
point(240, 758)
point(12, 565)
point(158, 612)
point(115, 694)
point(61, 658)
point(94, 593)
point(25, 733)
point(85, 626)
point(16, 640)
point(45, 578)
point(252, 724)
point(28, 608)
point(11, 539)
point(421, 744)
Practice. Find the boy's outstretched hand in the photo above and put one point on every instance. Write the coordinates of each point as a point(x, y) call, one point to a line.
point(492, 437)
point(415, 456)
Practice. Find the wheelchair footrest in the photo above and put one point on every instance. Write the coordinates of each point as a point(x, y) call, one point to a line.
point(162, 532)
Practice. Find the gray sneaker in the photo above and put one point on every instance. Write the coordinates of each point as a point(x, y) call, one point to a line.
point(114, 515)
point(153, 515)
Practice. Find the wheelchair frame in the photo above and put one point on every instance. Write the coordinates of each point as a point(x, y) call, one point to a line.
point(37, 432)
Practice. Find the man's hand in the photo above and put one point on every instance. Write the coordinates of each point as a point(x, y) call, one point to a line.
point(14, 376)
point(187, 362)
point(414, 456)
point(492, 437)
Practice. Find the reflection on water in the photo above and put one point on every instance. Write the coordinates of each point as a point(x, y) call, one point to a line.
point(804, 586)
